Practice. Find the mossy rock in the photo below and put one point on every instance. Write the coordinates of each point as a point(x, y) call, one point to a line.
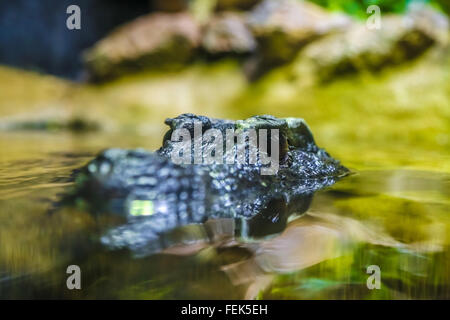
point(227, 33)
point(157, 41)
point(283, 27)
point(398, 40)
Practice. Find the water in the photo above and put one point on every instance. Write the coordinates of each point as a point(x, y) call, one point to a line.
point(391, 128)
point(390, 216)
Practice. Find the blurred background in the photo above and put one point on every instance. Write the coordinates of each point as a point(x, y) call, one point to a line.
point(374, 89)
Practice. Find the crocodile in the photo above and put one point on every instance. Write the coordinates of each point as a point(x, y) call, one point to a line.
point(154, 196)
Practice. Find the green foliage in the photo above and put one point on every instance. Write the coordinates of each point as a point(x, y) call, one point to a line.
point(358, 7)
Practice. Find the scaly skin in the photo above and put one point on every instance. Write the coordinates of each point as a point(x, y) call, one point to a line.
point(157, 196)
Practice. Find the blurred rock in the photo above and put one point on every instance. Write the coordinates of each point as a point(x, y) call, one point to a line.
point(400, 38)
point(160, 40)
point(283, 27)
point(227, 33)
point(236, 4)
point(430, 21)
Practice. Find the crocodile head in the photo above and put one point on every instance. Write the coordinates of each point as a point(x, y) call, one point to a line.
point(156, 194)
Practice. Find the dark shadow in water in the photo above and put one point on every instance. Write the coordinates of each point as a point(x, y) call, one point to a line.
point(274, 218)
point(394, 219)
point(192, 256)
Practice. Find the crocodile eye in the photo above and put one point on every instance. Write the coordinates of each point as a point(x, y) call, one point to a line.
point(298, 134)
point(283, 146)
point(269, 123)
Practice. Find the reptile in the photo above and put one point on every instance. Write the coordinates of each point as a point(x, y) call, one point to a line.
point(153, 195)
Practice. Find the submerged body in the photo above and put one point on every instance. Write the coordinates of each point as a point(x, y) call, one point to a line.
point(156, 196)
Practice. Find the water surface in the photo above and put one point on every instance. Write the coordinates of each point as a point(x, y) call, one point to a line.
point(388, 213)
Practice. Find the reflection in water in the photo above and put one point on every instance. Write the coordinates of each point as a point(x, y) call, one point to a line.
point(395, 219)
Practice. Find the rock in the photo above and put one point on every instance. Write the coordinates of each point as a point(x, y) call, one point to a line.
point(160, 40)
point(283, 27)
point(227, 33)
point(400, 38)
point(430, 21)
point(236, 4)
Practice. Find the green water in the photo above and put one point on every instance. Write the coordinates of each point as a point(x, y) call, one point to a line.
point(393, 217)
point(391, 129)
